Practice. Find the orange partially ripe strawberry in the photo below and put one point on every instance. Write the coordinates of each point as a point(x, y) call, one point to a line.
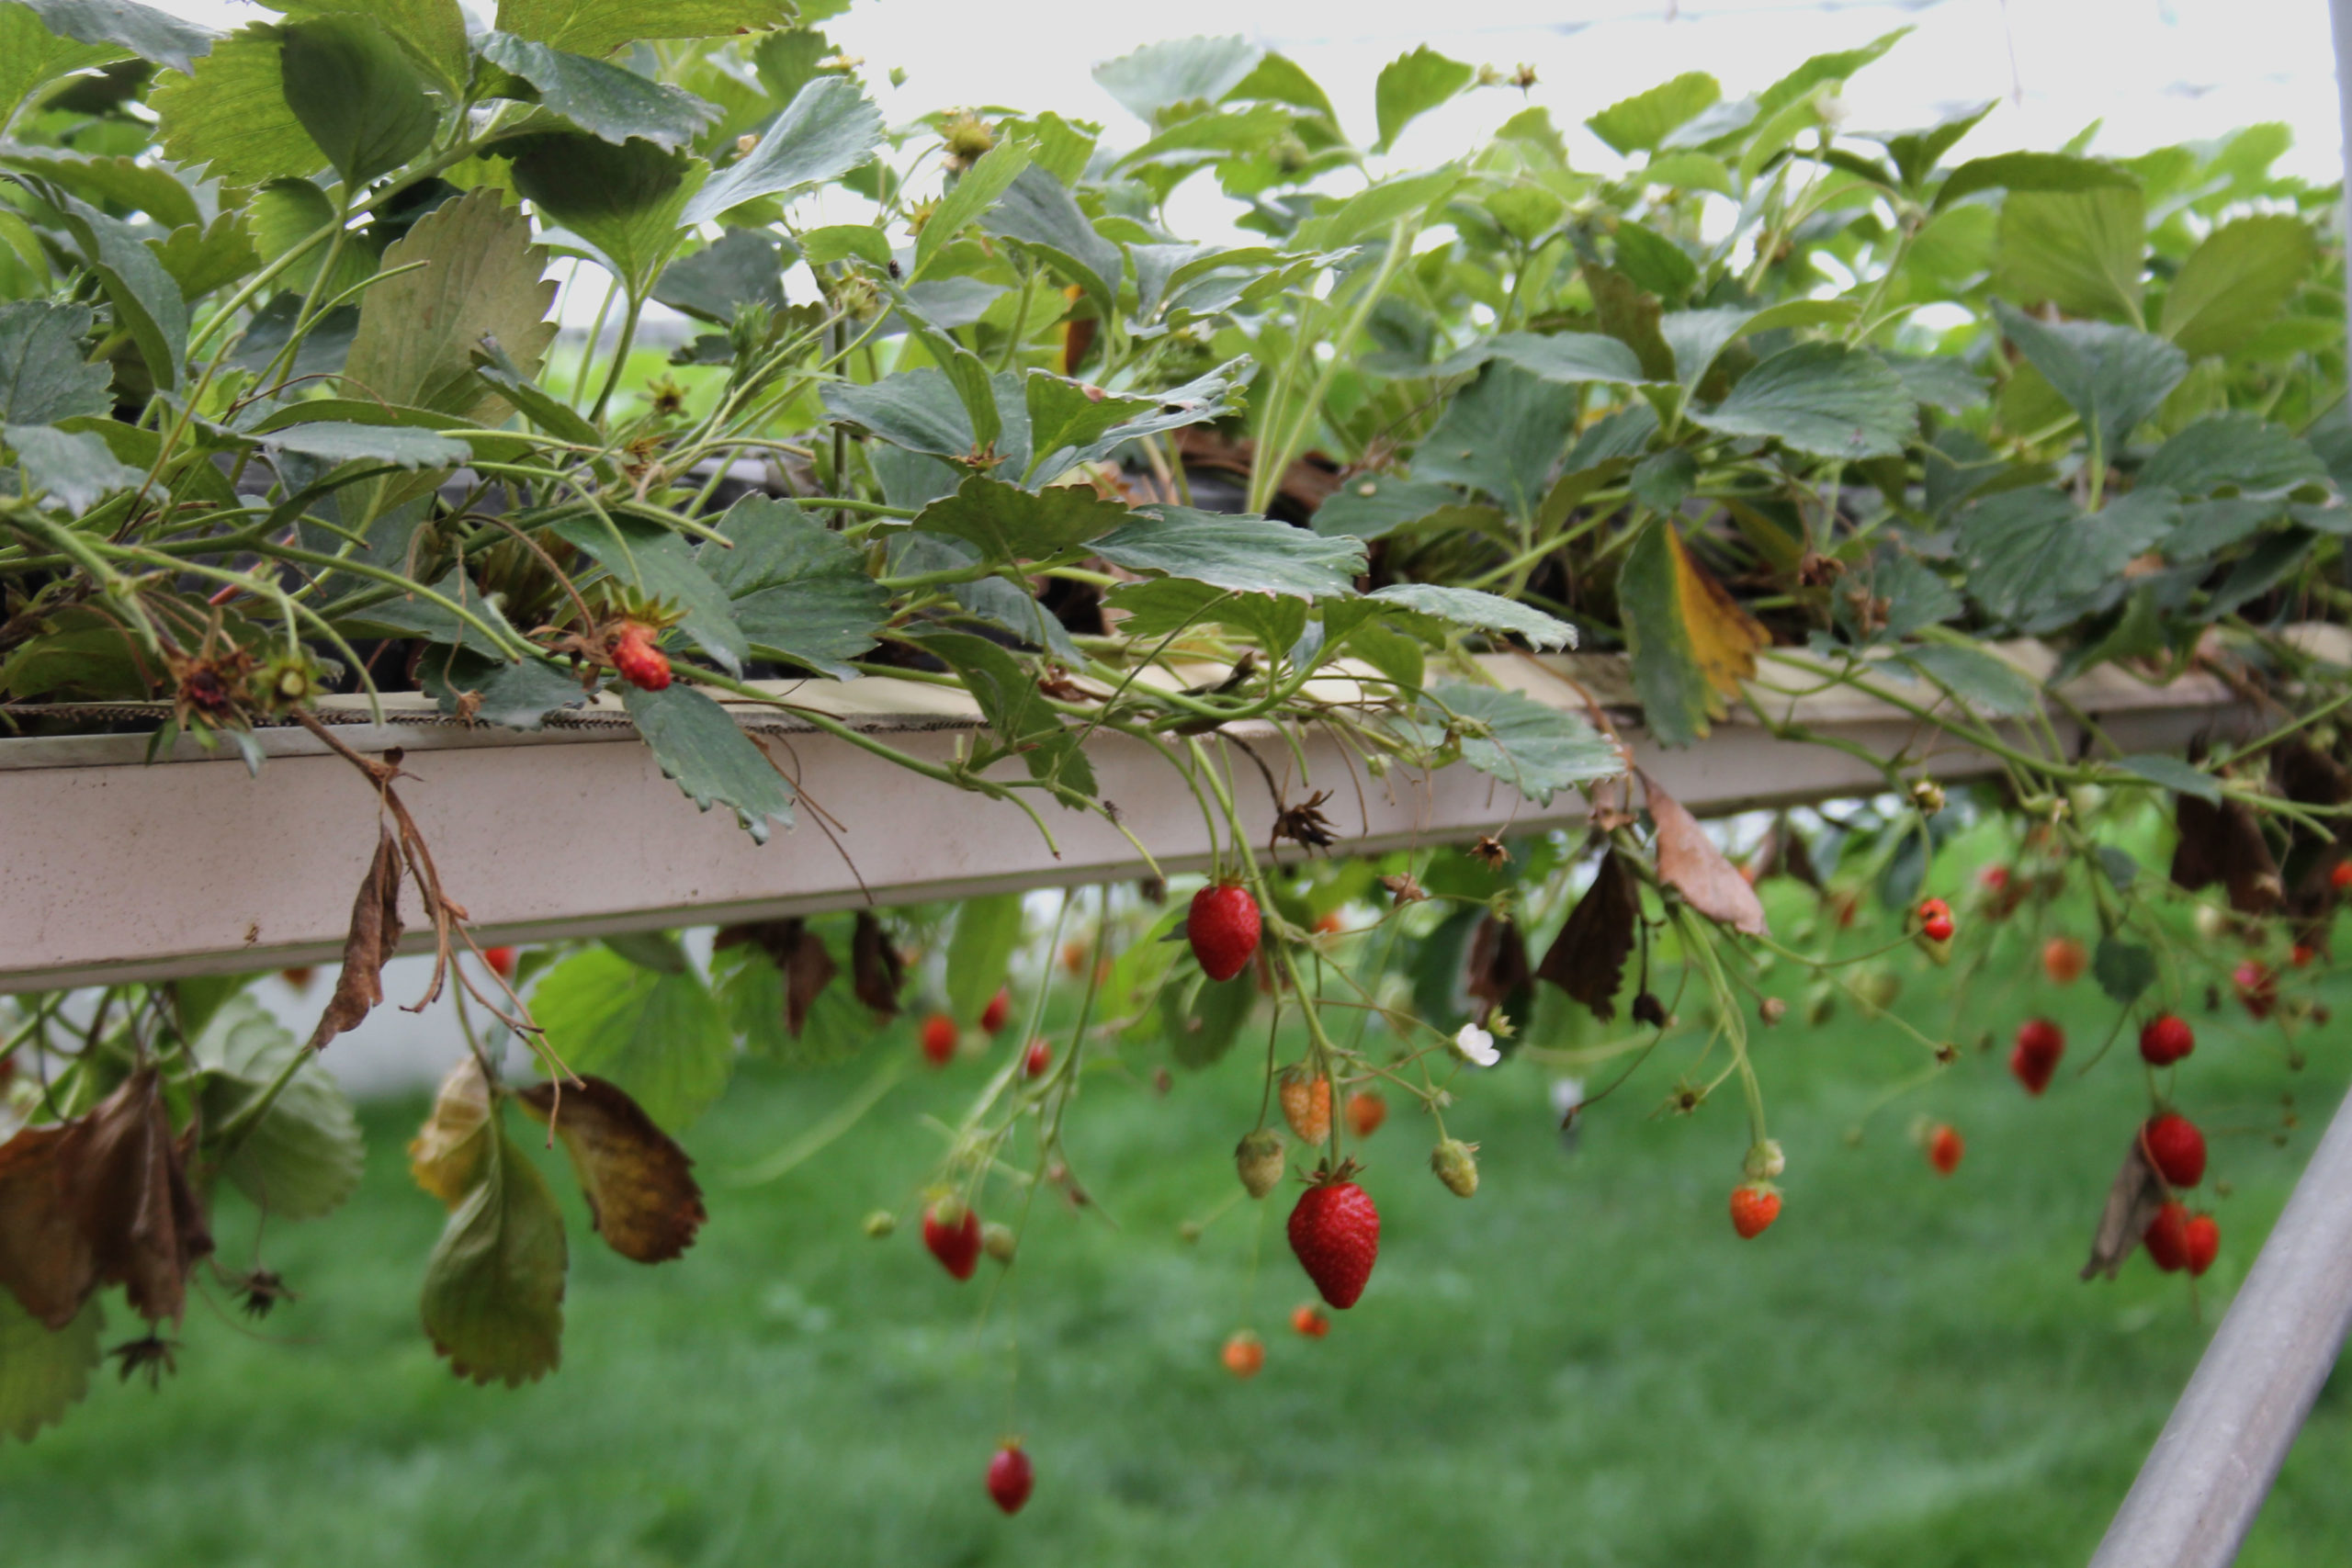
point(1754, 1206)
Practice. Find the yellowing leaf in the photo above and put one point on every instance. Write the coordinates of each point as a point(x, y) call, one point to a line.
point(641, 1195)
point(1692, 644)
point(446, 1155)
point(419, 331)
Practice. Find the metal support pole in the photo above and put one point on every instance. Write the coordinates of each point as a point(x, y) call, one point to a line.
point(2213, 1464)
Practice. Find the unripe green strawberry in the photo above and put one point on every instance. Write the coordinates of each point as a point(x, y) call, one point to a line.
point(880, 1224)
point(1258, 1161)
point(1765, 1161)
point(1456, 1163)
point(998, 1242)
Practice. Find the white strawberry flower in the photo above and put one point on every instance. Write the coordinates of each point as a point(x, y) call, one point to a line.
point(1476, 1046)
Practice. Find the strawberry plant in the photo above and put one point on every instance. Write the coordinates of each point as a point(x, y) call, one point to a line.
point(1762, 411)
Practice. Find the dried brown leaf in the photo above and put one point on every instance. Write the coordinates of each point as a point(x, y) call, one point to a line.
point(45, 1260)
point(796, 950)
point(103, 1200)
point(1784, 853)
point(876, 969)
point(2308, 776)
point(1586, 960)
point(641, 1195)
point(2131, 1203)
point(1689, 862)
point(374, 937)
point(1496, 965)
point(807, 970)
point(2221, 842)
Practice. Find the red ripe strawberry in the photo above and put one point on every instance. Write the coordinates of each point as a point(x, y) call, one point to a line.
point(2257, 989)
point(298, 976)
point(2176, 1148)
point(2202, 1242)
point(1366, 1111)
point(952, 1231)
point(2167, 1239)
point(1944, 1148)
point(642, 664)
point(2063, 960)
point(2040, 1044)
point(2165, 1039)
point(1223, 926)
point(1010, 1476)
point(1332, 924)
point(1935, 920)
point(1993, 879)
point(2302, 955)
point(1754, 1206)
point(1243, 1354)
point(1000, 1007)
point(500, 961)
point(1037, 1059)
point(1335, 1231)
point(939, 1039)
point(1310, 1321)
point(2340, 876)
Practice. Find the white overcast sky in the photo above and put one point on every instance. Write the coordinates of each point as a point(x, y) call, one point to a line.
point(2154, 71)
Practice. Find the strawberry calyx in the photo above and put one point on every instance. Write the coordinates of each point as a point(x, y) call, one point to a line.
point(1326, 1174)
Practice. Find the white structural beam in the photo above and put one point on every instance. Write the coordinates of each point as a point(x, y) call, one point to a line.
point(115, 869)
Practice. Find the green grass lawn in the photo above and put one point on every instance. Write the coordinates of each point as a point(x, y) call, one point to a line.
point(1582, 1365)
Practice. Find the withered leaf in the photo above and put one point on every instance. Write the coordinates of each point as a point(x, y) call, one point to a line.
point(1496, 965)
point(1586, 960)
point(445, 1158)
point(2308, 776)
point(45, 1260)
point(493, 1291)
point(876, 969)
point(374, 937)
point(641, 1195)
point(1784, 853)
point(2131, 1203)
point(807, 970)
point(103, 1200)
point(797, 950)
point(1404, 888)
point(2221, 842)
point(1689, 862)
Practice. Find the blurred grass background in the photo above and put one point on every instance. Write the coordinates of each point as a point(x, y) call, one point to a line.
point(1581, 1365)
